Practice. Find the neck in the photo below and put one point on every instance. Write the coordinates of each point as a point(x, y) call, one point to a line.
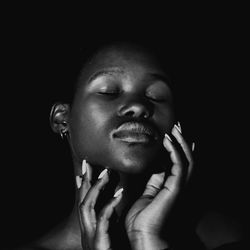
point(133, 186)
point(68, 233)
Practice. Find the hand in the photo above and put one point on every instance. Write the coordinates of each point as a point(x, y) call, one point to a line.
point(94, 228)
point(147, 216)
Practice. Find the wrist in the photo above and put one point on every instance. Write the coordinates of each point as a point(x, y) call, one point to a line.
point(144, 241)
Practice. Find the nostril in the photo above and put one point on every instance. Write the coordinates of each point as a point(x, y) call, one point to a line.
point(146, 115)
point(129, 113)
point(136, 113)
point(135, 110)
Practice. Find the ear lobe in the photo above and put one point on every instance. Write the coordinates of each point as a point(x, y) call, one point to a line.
point(59, 117)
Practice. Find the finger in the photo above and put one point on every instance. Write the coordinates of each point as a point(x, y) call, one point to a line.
point(166, 197)
point(94, 191)
point(83, 181)
point(154, 185)
point(83, 185)
point(102, 237)
point(177, 168)
point(176, 132)
point(87, 206)
point(170, 189)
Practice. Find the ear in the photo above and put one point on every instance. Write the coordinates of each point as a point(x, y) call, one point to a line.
point(59, 116)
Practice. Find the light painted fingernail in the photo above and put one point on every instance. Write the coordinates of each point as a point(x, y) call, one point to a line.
point(193, 146)
point(84, 167)
point(102, 173)
point(166, 135)
point(118, 192)
point(178, 128)
point(78, 181)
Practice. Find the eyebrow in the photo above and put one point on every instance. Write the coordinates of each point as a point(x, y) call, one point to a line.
point(104, 72)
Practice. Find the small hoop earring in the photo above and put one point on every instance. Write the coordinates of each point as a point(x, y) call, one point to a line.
point(63, 134)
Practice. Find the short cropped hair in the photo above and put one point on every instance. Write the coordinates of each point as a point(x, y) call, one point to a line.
point(80, 56)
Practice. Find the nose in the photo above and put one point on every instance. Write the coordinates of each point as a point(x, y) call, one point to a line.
point(136, 109)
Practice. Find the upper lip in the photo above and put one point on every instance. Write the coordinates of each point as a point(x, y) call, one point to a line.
point(135, 128)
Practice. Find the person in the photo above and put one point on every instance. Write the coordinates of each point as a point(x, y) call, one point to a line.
point(133, 165)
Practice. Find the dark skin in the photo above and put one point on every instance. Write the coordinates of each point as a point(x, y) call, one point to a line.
point(124, 91)
point(122, 86)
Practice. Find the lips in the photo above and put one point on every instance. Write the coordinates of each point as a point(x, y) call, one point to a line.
point(134, 132)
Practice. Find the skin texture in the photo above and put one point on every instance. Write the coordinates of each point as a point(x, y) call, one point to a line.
point(123, 93)
point(118, 87)
point(145, 219)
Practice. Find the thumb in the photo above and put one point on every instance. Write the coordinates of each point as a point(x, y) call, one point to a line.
point(154, 184)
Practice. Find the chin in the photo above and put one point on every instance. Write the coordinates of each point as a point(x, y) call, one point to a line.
point(140, 161)
point(133, 165)
point(132, 159)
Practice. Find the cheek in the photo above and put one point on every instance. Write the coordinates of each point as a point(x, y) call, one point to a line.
point(95, 117)
point(165, 119)
point(90, 118)
point(89, 128)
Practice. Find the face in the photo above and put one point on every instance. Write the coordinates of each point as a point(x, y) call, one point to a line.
point(121, 110)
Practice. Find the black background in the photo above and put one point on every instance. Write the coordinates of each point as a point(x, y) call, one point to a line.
point(209, 46)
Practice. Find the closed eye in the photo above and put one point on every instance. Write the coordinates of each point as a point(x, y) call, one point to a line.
point(108, 93)
point(156, 99)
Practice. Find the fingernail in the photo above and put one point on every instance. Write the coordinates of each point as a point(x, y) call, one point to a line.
point(102, 173)
point(193, 146)
point(78, 181)
point(166, 135)
point(178, 128)
point(118, 192)
point(84, 167)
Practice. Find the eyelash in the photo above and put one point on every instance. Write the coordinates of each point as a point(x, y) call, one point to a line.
point(109, 93)
point(156, 99)
point(115, 94)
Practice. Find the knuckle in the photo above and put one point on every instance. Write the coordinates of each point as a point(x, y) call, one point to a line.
point(103, 214)
point(102, 218)
point(86, 205)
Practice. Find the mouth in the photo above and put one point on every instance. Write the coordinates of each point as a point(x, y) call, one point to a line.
point(135, 133)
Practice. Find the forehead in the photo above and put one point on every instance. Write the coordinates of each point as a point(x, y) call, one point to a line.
point(127, 58)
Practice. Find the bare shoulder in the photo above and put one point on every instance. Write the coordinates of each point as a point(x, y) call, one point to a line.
point(49, 247)
point(36, 246)
point(25, 248)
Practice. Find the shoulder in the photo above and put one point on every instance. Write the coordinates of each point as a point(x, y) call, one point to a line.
point(25, 248)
